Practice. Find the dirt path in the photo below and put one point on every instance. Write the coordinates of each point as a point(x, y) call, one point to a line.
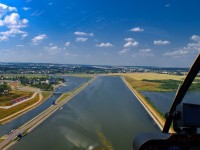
point(160, 121)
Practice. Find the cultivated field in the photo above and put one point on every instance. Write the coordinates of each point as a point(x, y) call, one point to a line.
point(158, 82)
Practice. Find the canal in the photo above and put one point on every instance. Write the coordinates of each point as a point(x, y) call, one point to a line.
point(71, 84)
point(106, 110)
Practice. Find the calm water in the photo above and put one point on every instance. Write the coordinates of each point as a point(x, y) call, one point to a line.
point(72, 83)
point(164, 100)
point(106, 106)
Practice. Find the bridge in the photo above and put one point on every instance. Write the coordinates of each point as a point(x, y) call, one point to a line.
point(57, 93)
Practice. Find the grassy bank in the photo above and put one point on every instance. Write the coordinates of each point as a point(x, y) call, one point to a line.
point(6, 112)
point(154, 82)
point(62, 97)
point(14, 110)
point(151, 109)
point(5, 100)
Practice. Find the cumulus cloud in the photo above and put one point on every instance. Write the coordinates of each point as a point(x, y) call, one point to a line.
point(105, 45)
point(130, 42)
point(83, 33)
point(160, 42)
point(36, 40)
point(4, 9)
point(67, 44)
point(192, 48)
point(3, 38)
point(124, 51)
point(10, 19)
point(137, 29)
point(81, 39)
point(195, 38)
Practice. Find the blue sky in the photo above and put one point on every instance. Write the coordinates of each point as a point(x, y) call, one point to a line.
point(121, 32)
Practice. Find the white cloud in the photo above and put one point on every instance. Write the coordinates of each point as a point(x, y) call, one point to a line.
point(195, 38)
point(176, 53)
point(4, 9)
point(160, 42)
point(123, 51)
point(192, 48)
point(130, 42)
point(37, 13)
point(3, 38)
point(36, 40)
point(26, 8)
point(83, 33)
point(13, 32)
point(11, 20)
point(20, 45)
point(137, 29)
point(143, 53)
point(81, 39)
point(67, 44)
point(145, 50)
point(53, 49)
point(104, 45)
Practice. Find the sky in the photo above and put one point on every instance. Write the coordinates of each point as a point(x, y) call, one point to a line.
point(164, 33)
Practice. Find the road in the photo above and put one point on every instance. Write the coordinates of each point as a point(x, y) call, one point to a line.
point(5, 144)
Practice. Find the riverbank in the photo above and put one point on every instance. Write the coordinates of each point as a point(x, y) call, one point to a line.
point(17, 111)
point(29, 126)
point(156, 116)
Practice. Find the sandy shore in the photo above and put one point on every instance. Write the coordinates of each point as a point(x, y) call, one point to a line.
point(159, 120)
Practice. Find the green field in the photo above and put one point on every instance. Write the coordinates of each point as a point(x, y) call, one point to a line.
point(62, 97)
point(158, 82)
point(5, 100)
point(7, 112)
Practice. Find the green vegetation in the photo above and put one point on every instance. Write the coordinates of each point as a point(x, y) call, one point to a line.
point(168, 85)
point(4, 87)
point(43, 82)
point(5, 100)
point(195, 87)
point(62, 97)
point(143, 85)
point(7, 112)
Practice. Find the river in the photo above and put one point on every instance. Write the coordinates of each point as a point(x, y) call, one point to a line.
point(105, 109)
point(71, 83)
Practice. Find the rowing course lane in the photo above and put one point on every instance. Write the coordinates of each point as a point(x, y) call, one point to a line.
point(106, 106)
point(71, 82)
